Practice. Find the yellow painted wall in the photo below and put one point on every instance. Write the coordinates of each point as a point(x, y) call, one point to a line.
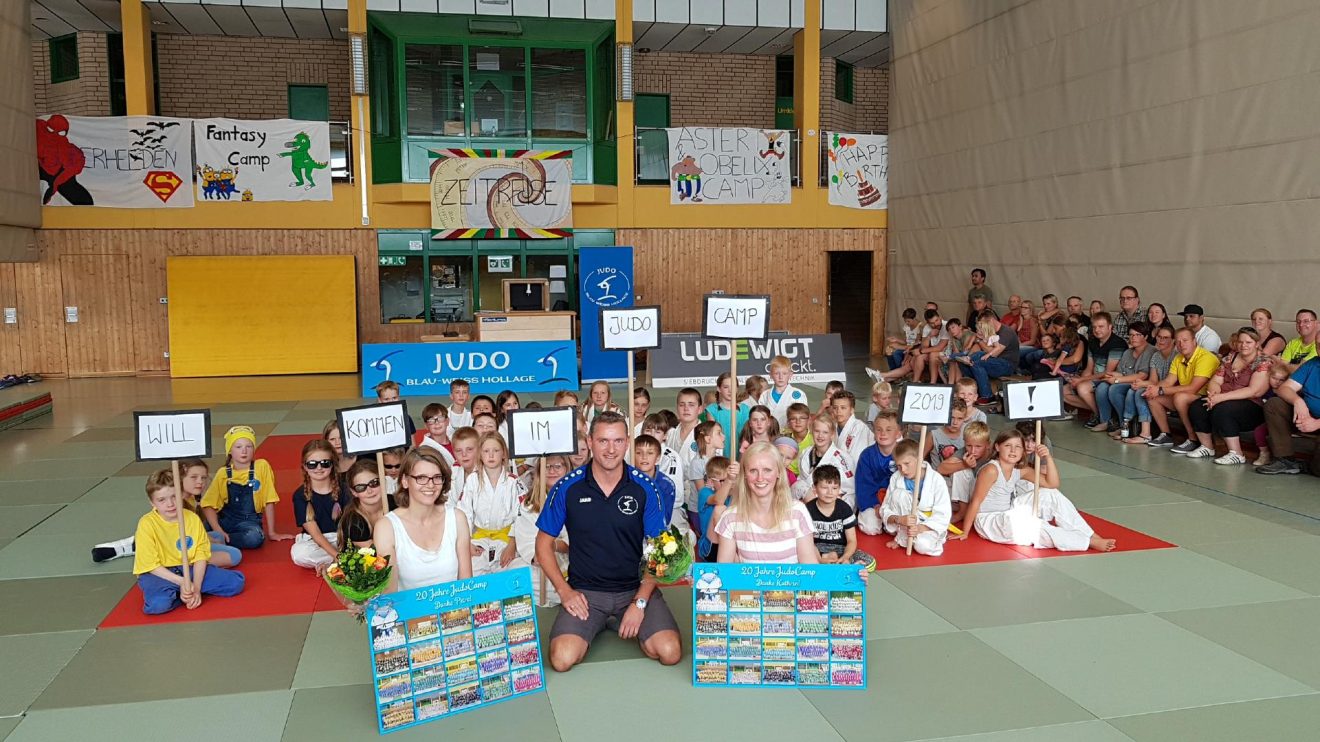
point(221, 308)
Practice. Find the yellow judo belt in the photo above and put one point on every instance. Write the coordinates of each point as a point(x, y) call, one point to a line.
point(497, 534)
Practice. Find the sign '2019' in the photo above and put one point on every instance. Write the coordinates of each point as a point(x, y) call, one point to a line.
point(928, 401)
point(926, 404)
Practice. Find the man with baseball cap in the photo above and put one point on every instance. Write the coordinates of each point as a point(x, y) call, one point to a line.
point(1194, 319)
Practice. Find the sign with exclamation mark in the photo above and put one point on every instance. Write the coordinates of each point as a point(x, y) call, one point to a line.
point(1033, 400)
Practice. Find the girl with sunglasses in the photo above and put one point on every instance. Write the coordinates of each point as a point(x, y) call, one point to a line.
point(368, 506)
point(317, 506)
point(426, 539)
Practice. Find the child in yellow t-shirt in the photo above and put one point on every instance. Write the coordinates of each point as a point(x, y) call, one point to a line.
point(241, 493)
point(158, 562)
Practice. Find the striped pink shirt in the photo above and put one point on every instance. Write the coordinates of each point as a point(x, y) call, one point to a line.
point(776, 545)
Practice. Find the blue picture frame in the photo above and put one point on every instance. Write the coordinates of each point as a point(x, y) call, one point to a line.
point(475, 642)
point(799, 626)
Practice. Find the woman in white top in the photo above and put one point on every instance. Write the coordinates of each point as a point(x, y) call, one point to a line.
point(426, 539)
point(764, 523)
point(1001, 506)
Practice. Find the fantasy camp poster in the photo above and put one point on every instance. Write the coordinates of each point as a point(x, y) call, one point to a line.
point(253, 161)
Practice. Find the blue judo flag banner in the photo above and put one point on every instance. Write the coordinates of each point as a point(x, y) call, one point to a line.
point(427, 368)
point(452, 647)
point(607, 281)
point(779, 625)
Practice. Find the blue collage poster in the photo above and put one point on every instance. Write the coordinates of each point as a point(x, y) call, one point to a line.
point(779, 625)
point(452, 647)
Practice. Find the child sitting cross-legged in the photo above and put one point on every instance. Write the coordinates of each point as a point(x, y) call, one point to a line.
point(158, 562)
point(928, 529)
point(833, 521)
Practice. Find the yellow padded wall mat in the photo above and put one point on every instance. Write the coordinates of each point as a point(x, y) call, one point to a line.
point(262, 315)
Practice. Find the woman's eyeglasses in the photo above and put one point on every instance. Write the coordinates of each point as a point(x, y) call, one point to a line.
point(360, 488)
point(319, 463)
point(437, 479)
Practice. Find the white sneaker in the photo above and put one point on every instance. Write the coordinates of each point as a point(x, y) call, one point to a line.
point(113, 550)
point(1263, 459)
point(874, 373)
point(1201, 452)
point(1231, 458)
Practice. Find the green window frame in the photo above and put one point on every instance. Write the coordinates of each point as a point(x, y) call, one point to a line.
point(843, 81)
point(531, 259)
point(64, 58)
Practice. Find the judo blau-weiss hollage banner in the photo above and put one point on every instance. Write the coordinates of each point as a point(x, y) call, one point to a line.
point(452, 647)
point(859, 170)
point(501, 193)
point(125, 162)
point(427, 368)
point(275, 160)
point(709, 165)
point(779, 625)
point(688, 360)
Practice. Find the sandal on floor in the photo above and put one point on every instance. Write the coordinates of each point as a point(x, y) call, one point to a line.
point(1136, 439)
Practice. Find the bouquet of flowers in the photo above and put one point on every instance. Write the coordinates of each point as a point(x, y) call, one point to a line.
point(667, 557)
point(358, 576)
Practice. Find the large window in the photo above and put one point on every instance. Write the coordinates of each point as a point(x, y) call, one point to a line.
point(559, 93)
point(497, 79)
point(64, 58)
point(434, 79)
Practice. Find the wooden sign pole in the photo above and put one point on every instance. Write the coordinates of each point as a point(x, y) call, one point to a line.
point(540, 489)
point(380, 470)
point(632, 424)
point(731, 436)
point(1035, 495)
point(916, 487)
point(183, 529)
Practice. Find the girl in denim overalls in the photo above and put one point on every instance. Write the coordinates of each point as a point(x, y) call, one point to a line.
point(241, 493)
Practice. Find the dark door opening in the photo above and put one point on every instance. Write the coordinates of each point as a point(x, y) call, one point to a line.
point(850, 301)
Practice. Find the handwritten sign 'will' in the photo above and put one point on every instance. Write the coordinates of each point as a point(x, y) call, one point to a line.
point(176, 434)
point(373, 428)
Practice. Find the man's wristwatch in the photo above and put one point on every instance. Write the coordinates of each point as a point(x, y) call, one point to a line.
point(640, 603)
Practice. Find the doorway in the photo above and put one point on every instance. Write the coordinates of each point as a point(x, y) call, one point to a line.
point(97, 298)
point(850, 301)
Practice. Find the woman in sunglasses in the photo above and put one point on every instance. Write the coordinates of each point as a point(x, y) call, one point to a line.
point(427, 540)
point(317, 506)
point(370, 503)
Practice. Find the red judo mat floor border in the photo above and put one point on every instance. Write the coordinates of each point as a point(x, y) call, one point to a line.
point(276, 587)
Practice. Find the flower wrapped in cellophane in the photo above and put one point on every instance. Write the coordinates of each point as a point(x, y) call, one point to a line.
point(667, 557)
point(358, 575)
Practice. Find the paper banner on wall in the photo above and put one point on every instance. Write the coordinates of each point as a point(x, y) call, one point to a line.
point(274, 160)
point(709, 165)
point(859, 170)
point(490, 193)
point(124, 162)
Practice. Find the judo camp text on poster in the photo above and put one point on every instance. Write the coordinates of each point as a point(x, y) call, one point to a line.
point(125, 162)
point(278, 160)
point(709, 165)
point(501, 193)
point(859, 170)
point(428, 368)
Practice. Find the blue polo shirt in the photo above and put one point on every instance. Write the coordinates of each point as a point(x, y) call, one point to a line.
point(605, 533)
point(1308, 375)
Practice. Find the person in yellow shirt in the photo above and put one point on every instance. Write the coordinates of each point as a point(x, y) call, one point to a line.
point(241, 493)
point(1189, 373)
point(158, 561)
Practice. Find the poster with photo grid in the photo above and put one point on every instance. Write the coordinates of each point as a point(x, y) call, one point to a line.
point(779, 626)
point(440, 650)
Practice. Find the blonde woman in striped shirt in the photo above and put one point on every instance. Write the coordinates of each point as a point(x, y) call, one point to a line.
point(765, 523)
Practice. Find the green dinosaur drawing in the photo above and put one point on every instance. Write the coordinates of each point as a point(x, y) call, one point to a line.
point(301, 160)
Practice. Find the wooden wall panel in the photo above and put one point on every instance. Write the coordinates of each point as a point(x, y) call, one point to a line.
point(675, 267)
point(100, 343)
point(41, 315)
point(11, 358)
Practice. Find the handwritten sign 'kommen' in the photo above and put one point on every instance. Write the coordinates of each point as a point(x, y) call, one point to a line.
point(736, 317)
point(172, 435)
point(373, 428)
point(634, 328)
point(543, 432)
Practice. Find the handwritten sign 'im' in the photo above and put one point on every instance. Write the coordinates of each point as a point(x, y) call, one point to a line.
point(543, 432)
point(175, 434)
